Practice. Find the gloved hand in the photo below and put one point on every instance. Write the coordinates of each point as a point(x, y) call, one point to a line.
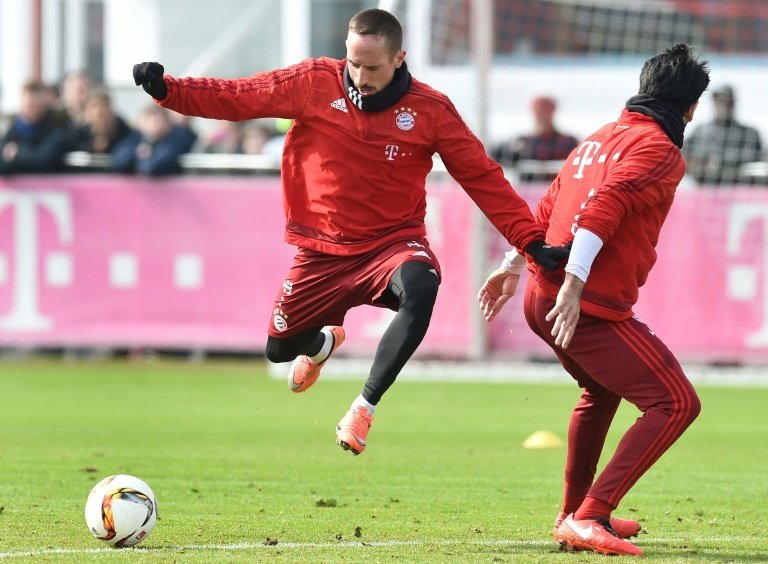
point(150, 77)
point(547, 256)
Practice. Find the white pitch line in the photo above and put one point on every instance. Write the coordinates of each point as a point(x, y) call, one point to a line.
point(353, 545)
point(515, 372)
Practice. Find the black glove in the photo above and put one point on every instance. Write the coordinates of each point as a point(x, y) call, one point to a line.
point(547, 256)
point(150, 77)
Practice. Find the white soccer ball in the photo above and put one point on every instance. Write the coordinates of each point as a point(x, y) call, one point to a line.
point(121, 510)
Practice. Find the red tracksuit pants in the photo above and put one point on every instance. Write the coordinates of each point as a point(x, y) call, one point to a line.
point(612, 360)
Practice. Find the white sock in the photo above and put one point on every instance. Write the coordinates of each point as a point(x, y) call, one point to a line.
point(325, 350)
point(361, 401)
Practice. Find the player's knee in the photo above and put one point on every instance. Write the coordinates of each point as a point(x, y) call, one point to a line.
point(279, 350)
point(421, 293)
point(420, 301)
point(686, 409)
point(694, 408)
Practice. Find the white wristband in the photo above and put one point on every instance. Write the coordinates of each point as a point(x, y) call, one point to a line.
point(585, 247)
point(513, 262)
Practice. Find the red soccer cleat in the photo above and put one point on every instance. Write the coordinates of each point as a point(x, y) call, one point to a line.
point(595, 535)
point(624, 528)
point(353, 428)
point(304, 372)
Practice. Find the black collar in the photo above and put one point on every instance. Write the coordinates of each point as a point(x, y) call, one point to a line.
point(665, 114)
point(390, 96)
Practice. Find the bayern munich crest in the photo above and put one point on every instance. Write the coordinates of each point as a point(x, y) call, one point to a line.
point(280, 323)
point(405, 118)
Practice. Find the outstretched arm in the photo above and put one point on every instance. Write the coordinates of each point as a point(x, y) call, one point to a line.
point(275, 93)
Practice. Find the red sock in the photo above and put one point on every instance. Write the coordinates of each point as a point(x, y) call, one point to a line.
point(573, 496)
point(593, 508)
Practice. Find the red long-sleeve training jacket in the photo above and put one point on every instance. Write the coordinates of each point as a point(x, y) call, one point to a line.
point(353, 180)
point(619, 183)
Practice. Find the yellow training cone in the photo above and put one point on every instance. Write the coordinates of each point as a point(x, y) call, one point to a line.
point(543, 439)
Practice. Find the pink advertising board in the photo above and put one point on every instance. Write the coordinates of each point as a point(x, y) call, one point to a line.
point(180, 262)
point(97, 260)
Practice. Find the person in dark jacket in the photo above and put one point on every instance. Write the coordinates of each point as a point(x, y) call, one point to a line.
point(35, 141)
point(545, 143)
point(154, 149)
point(716, 150)
point(102, 128)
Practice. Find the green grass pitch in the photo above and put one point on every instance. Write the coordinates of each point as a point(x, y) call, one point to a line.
point(245, 471)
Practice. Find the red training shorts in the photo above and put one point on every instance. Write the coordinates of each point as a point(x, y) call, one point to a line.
point(320, 288)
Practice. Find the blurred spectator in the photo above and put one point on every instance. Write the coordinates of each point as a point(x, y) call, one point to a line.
point(545, 143)
point(715, 151)
point(183, 121)
point(34, 141)
point(155, 148)
point(53, 102)
point(254, 139)
point(75, 90)
point(274, 145)
point(52, 96)
point(227, 137)
point(238, 137)
point(102, 128)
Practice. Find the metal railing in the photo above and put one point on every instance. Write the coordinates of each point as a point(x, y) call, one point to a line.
point(229, 163)
point(223, 162)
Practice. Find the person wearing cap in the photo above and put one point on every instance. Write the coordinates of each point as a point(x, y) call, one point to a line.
point(715, 151)
point(545, 143)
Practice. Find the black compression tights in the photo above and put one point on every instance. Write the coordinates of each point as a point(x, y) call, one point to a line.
point(414, 285)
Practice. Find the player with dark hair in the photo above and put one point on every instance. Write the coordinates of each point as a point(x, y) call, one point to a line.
point(353, 171)
point(610, 199)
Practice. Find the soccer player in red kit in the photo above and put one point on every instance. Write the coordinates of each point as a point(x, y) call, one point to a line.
point(610, 200)
point(354, 169)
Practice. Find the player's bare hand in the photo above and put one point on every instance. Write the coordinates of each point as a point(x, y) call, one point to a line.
point(10, 150)
point(566, 311)
point(496, 291)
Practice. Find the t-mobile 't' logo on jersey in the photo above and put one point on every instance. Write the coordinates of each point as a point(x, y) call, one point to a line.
point(391, 151)
point(586, 153)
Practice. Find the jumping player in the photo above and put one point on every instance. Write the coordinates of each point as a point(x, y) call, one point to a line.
point(354, 169)
point(611, 198)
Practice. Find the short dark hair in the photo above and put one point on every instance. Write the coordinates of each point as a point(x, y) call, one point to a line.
point(379, 23)
point(99, 95)
point(33, 86)
point(675, 76)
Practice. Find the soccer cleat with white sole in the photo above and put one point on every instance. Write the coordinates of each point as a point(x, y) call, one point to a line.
point(595, 535)
point(304, 372)
point(624, 528)
point(352, 430)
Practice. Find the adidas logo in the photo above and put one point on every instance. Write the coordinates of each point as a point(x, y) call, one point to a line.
point(340, 104)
